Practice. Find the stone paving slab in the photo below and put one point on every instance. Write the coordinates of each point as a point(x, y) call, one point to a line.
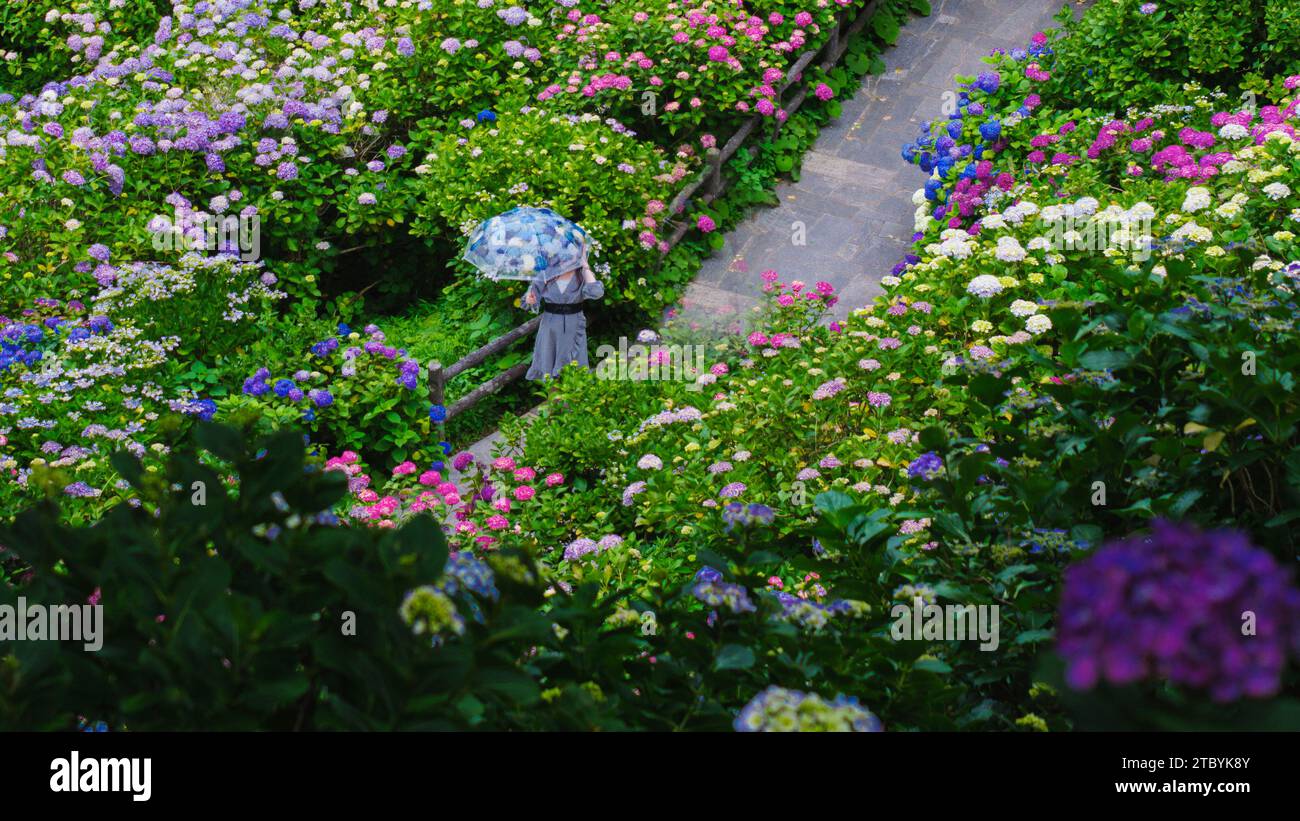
point(854, 194)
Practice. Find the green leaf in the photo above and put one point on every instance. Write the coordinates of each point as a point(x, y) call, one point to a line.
point(1033, 636)
point(988, 389)
point(885, 26)
point(932, 666)
point(1111, 360)
point(734, 657)
point(220, 440)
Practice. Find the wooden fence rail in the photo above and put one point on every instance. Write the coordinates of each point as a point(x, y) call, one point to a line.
point(709, 184)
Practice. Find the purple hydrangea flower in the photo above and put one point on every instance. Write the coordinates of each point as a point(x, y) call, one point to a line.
point(1174, 605)
point(926, 466)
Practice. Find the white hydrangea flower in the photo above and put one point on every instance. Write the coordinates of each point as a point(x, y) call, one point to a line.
point(1052, 213)
point(984, 286)
point(1276, 191)
point(1142, 211)
point(1233, 131)
point(1037, 324)
point(1197, 199)
point(1009, 250)
point(1023, 308)
point(1013, 215)
point(1195, 233)
point(957, 247)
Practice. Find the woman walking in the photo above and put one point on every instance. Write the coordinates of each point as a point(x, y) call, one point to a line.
point(562, 334)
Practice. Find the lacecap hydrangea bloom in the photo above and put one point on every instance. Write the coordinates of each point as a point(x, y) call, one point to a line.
point(778, 710)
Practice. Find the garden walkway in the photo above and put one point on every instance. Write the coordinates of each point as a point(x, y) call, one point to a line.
point(854, 195)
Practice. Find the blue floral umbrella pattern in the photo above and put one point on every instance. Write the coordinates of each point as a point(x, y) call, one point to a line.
point(526, 243)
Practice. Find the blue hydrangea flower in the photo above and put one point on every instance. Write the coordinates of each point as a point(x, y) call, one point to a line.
point(926, 466)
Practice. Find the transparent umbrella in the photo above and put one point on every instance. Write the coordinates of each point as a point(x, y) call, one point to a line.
point(526, 244)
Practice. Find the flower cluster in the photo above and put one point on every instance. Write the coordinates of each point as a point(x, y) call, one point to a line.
point(1175, 605)
point(477, 507)
point(778, 710)
point(710, 589)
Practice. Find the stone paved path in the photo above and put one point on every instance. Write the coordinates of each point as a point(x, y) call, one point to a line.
point(854, 194)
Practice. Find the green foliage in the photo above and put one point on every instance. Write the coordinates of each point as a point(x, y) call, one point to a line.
point(1114, 56)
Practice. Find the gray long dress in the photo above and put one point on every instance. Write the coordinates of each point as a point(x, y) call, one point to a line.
point(561, 338)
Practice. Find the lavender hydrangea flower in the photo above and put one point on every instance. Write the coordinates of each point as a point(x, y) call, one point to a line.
point(512, 16)
point(732, 490)
point(578, 548)
point(736, 513)
point(711, 590)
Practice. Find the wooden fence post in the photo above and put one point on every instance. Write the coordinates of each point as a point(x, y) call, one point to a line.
point(714, 159)
point(437, 384)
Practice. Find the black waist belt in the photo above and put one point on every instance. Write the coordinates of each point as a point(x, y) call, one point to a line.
point(557, 308)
